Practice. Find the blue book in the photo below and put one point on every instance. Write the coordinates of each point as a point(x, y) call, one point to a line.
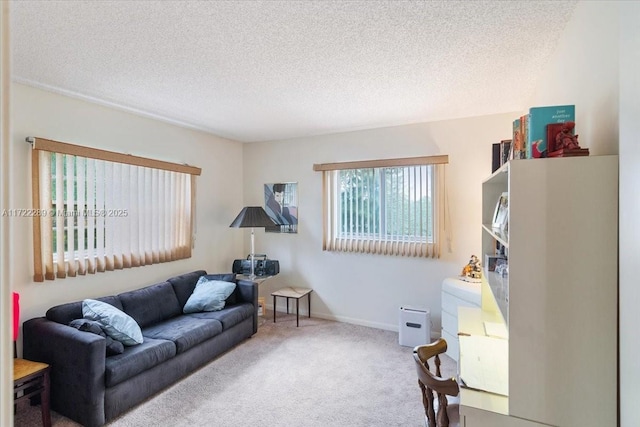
point(539, 118)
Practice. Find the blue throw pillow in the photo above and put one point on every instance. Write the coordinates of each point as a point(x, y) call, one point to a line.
point(117, 324)
point(209, 295)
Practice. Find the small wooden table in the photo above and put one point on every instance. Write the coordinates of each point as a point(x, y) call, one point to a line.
point(295, 293)
point(32, 379)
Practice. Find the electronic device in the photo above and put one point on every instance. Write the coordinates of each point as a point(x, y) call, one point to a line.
point(262, 266)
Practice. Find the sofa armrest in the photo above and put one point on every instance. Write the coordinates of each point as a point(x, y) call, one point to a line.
point(248, 291)
point(77, 361)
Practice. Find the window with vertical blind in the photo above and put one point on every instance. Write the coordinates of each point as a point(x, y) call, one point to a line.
point(389, 207)
point(97, 211)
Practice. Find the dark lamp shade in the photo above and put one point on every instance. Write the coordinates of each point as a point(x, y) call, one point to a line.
point(252, 216)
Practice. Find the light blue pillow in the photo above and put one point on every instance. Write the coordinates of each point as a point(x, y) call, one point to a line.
point(117, 324)
point(209, 295)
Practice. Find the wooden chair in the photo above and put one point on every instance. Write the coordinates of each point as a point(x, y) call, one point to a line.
point(430, 382)
point(30, 379)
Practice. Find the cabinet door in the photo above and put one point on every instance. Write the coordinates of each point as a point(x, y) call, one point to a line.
point(453, 348)
point(562, 290)
point(451, 303)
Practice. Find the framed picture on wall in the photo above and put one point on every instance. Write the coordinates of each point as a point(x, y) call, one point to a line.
point(281, 204)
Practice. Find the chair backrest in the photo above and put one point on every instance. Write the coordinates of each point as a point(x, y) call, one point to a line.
point(430, 382)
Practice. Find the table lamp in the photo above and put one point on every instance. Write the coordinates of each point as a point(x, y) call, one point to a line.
point(252, 216)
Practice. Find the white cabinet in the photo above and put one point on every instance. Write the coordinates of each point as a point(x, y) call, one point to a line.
point(559, 303)
point(456, 293)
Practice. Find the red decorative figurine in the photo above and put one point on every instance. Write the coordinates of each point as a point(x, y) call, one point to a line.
point(562, 142)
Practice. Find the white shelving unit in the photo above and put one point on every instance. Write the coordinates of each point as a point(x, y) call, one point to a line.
point(559, 302)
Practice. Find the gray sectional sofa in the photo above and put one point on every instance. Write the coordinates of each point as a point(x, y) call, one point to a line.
point(92, 388)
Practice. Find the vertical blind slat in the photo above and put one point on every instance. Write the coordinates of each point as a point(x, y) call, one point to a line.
point(333, 213)
point(421, 209)
point(166, 212)
point(81, 213)
point(117, 203)
point(108, 221)
point(371, 210)
point(133, 214)
point(91, 217)
point(123, 219)
point(46, 223)
point(400, 194)
point(68, 210)
point(178, 213)
point(154, 228)
point(357, 207)
point(376, 213)
point(149, 225)
point(59, 217)
point(101, 259)
point(69, 216)
point(141, 212)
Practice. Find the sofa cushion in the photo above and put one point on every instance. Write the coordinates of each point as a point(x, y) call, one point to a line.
point(209, 295)
point(234, 298)
point(184, 331)
point(151, 304)
point(65, 313)
point(137, 359)
point(229, 316)
point(184, 285)
point(117, 324)
point(86, 325)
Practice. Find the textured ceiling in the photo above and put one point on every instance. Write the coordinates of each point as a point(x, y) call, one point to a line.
point(265, 70)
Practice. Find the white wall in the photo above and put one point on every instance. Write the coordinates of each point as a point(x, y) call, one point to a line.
point(584, 72)
point(629, 213)
point(361, 288)
point(219, 190)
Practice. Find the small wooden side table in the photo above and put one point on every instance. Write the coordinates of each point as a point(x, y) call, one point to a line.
point(32, 379)
point(295, 293)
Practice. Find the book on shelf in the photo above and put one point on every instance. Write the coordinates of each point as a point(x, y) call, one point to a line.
point(518, 143)
point(505, 151)
point(539, 117)
point(495, 158)
point(524, 134)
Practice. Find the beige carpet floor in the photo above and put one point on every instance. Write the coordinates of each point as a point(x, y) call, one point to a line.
point(322, 374)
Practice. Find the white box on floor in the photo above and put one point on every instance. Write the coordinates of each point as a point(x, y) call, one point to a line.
point(415, 326)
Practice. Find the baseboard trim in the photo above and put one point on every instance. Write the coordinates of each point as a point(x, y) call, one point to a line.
point(344, 319)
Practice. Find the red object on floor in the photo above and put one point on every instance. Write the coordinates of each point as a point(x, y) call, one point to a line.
point(16, 315)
